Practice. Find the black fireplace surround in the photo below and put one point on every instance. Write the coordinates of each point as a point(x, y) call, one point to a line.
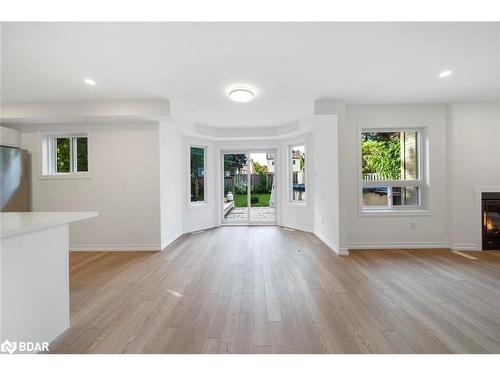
point(491, 221)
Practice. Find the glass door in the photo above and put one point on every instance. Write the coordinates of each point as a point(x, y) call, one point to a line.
point(235, 167)
point(249, 186)
point(262, 187)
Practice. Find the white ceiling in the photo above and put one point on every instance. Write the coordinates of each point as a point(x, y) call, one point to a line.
point(289, 65)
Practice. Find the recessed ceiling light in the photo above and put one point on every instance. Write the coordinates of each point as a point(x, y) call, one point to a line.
point(241, 95)
point(89, 81)
point(445, 73)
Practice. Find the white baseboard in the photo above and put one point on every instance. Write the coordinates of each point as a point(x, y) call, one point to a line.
point(115, 247)
point(198, 229)
point(397, 245)
point(337, 250)
point(296, 227)
point(412, 245)
point(170, 241)
point(463, 247)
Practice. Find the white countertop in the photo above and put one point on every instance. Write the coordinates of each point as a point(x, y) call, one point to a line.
point(16, 223)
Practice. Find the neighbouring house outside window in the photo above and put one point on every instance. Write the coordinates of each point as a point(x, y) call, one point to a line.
point(297, 162)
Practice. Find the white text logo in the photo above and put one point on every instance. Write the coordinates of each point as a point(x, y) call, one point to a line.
point(24, 346)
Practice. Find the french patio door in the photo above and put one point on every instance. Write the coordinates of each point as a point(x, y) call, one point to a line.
point(249, 187)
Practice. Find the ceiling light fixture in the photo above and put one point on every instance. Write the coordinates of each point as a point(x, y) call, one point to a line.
point(445, 73)
point(89, 81)
point(241, 95)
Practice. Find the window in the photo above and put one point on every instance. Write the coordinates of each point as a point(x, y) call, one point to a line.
point(197, 174)
point(65, 154)
point(391, 175)
point(297, 157)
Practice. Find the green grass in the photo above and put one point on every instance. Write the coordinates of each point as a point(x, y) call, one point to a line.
point(240, 200)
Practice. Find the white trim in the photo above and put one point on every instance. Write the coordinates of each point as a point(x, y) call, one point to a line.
point(397, 245)
point(204, 202)
point(200, 228)
point(393, 213)
point(337, 250)
point(66, 176)
point(411, 245)
point(297, 227)
point(171, 240)
point(116, 247)
point(249, 224)
point(464, 247)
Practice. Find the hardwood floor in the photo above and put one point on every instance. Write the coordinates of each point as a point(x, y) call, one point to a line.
point(268, 290)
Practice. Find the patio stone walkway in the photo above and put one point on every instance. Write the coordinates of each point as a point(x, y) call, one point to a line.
point(256, 214)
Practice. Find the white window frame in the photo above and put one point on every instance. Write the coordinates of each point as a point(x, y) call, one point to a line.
point(205, 190)
point(49, 157)
point(390, 184)
point(290, 174)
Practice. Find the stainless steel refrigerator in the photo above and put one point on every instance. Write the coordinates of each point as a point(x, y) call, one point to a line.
point(15, 179)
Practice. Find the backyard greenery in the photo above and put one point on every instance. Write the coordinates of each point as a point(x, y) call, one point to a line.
point(63, 154)
point(381, 154)
point(197, 174)
point(234, 162)
point(240, 200)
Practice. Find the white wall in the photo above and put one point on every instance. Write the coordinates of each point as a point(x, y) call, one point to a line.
point(474, 158)
point(9, 137)
point(171, 175)
point(326, 183)
point(395, 230)
point(124, 186)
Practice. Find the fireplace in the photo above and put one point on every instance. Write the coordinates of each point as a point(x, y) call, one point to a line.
point(491, 221)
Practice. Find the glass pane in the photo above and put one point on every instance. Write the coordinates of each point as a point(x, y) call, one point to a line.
point(389, 156)
point(81, 154)
point(197, 174)
point(298, 182)
point(405, 196)
point(235, 187)
point(491, 223)
point(375, 196)
point(63, 155)
point(263, 193)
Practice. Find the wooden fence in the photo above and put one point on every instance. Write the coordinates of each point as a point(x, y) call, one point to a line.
point(255, 180)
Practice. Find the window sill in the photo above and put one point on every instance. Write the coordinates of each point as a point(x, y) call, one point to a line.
point(197, 204)
point(69, 176)
point(298, 203)
point(396, 213)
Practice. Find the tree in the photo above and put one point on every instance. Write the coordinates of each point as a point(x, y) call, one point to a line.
point(197, 155)
point(233, 162)
point(258, 168)
point(382, 155)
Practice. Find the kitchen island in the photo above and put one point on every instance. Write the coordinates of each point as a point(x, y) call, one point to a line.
point(34, 274)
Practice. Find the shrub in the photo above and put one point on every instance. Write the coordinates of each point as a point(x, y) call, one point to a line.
point(241, 188)
point(263, 187)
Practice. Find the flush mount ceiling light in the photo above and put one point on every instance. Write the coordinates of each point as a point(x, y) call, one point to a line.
point(445, 73)
point(241, 95)
point(89, 81)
